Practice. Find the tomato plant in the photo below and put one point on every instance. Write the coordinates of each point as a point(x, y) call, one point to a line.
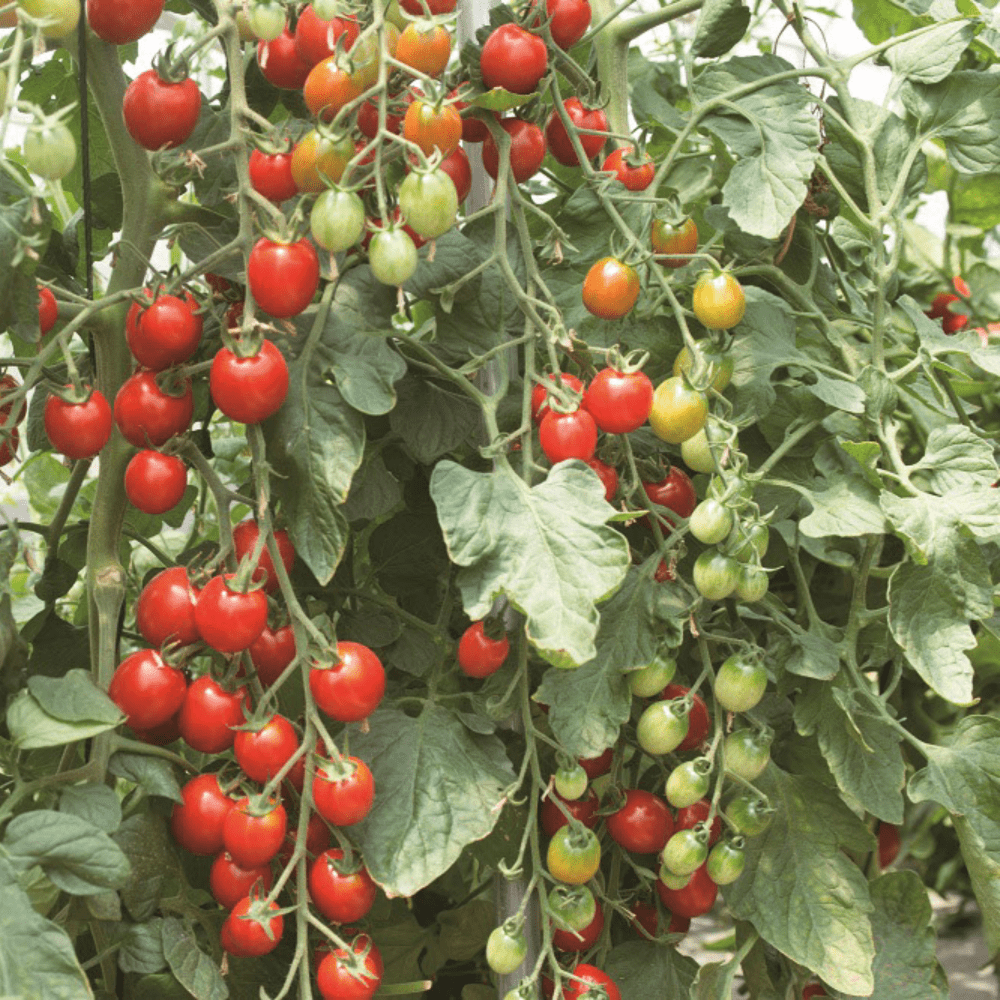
point(230, 883)
point(740, 683)
point(168, 332)
point(527, 150)
point(343, 791)
point(161, 113)
point(155, 483)
point(429, 202)
point(150, 414)
point(506, 949)
point(262, 752)
point(280, 62)
point(424, 48)
point(164, 610)
point(558, 139)
point(283, 277)
point(148, 690)
point(349, 687)
point(392, 255)
point(245, 537)
point(244, 936)
point(611, 288)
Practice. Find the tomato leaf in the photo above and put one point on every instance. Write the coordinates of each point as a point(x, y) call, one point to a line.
point(721, 25)
point(374, 491)
point(432, 419)
point(154, 774)
point(439, 789)
point(74, 698)
point(96, 804)
point(194, 970)
point(984, 873)
point(142, 947)
point(32, 728)
point(847, 507)
point(642, 970)
point(153, 859)
point(930, 57)
point(546, 547)
point(802, 894)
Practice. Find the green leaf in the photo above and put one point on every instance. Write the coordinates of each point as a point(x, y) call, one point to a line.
point(500, 100)
point(142, 947)
point(847, 508)
point(862, 751)
point(75, 854)
point(432, 419)
point(56, 646)
point(808, 654)
point(906, 965)
point(96, 804)
point(440, 789)
point(194, 970)
point(374, 491)
point(154, 774)
point(881, 19)
point(547, 548)
point(964, 111)
point(957, 459)
point(716, 980)
point(931, 56)
point(984, 873)
point(32, 728)
point(74, 697)
point(153, 859)
point(650, 87)
point(802, 894)
point(773, 135)
point(642, 970)
point(315, 442)
point(721, 25)
point(590, 704)
point(37, 958)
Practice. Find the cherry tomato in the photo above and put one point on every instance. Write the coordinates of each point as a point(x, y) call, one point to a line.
point(540, 398)
point(559, 142)
point(160, 113)
point(318, 158)
point(610, 289)
point(263, 752)
point(608, 476)
point(750, 815)
point(951, 322)
point(572, 908)
point(316, 38)
point(271, 175)
point(245, 535)
point(78, 430)
point(889, 843)
point(249, 389)
point(478, 654)
point(434, 6)
point(429, 202)
point(424, 47)
point(343, 791)
point(253, 831)
point(331, 84)
point(694, 900)
point(711, 522)
point(392, 256)
point(281, 64)
point(679, 411)
point(697, 453)
point(456, 165)
point(688, 817)
point(149, 416)
point(165, 609)
point(680, 241)
point(751, 584)
point(341, 898)
point(155, 483)
point(506, 949)
point(350, 689)
point(283, 277)
point(61, 16)
point(345, 977)
point(7, 385)
point(740, 683)
point(749, 542)
point(196, 822)
point(813, 990)
point(647, 918)
point(243, 936)
point(210, 714)
point(49, 150)
point(266, 20)
point(147, 689)
point(643, 824)
point(719, 366)
point(568, 435)
point(272, 653)
point(699, 721)
point(652, 677)
point(514, 59)
point(570, 782)
point(119, 23)
point(48, 310)
point(168, 332)
point(718, 300)
point(747, 753)
point(661, 728)
point(688, 782)
point(568, 21)
point(433, 126)
point(726, 861)
point(715, 574)
point(634, 177)
point(337, 220)
point(675, 492)
point(527, 150)
point(227, 620)
point(619, 401)
point(368, 116)
point(596, 766)
point(230, 883)
point(583, 809)
point(574, 855)
point(590, 980)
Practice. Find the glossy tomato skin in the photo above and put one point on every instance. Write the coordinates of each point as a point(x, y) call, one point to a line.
point(426, 48)
point(155, 483)
point(690, 816)
point(227, 620)
point(540, 398)
point(230, 882)
point(583, 809)
point(48, 310)
point(340, 898)
point(252, 839)
point(433, 126)
point(196, 822)
point(694, 900)
point(120, 23)
point(635, 178)
point(167, 333)
point(583, 939)
point(699, 721)
point(247, 938)
point(435, 6)
point(147, 689)
point(680, 241)
point(392, 255)
point(643, 824)
point(210, 714)
point(336, 982)
point(596, 766)
point(316, 39)
point(527, 150)
point(331, 84)
point(272, 653)
point(610, 289)
point(160, 114)
point(618, 401)
point(344, 800)
point(679, 411)
point(7, 384)
point(889, 843)
point(271, 175)
point(245, 536)
point(574, 855)
point(283, 277)
point(608, 475)
point(592, 977)
point(569, 21)
point(249, 390)
point(78, 430)
point(317, 158)
point(456, 165)
point(429, 202)
point(281, 64)
point(560, 145)
point(478, 654)
point(514, 59)
point(568, 435)
point(675, 492)
point(165, 609)
point(718, 300)
point(350, 690)
point(262, 753)
point(148, 416)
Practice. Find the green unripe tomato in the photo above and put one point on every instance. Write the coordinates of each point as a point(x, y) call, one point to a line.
point(670, 880)
point(747, 753)
point(697, 453)
point(266, 20)
point(711, 522)
point(429, 202)
point(572, 907)
point(326, 10)
point(686, 851)
point(505, 949)
point(571, 782)
point(740, 683)
point(688, 782)
point(50, 151)
point(750, 815)
point(661, 729)
point(719, 367)
point(62, 17)
point(751, 584)
point(653, 677)
point(337, 220)
point(726, 861)
point(715, 575)
point(750, 544)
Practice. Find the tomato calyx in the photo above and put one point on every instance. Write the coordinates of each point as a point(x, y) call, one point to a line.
point(626, 364)
point(171, 68)
point(560, 396)
point(74, 393)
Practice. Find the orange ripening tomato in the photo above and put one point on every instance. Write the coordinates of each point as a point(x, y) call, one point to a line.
point(425, 48)
point(316, 156)
point(611, 288)
point(677, 240)
point(329, 86)
point(433, 126)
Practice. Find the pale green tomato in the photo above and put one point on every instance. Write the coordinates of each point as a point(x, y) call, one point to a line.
point(62, 15)
point(50, 151)
point(711, 521)
point(337, 220)
point(653, 677)
point(697, 453)
point(266, 20)
point(670, 880)
point(571, 782)
point(752, 584)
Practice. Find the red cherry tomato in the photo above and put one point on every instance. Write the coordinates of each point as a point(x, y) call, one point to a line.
point(583, 809)
point(118, 23)
point(569, 20)
point(889, 842)
point(813, 990)
point(694, 900)
point(317, 838)
point(434, 6)
point(591, 977)
point(196, 822)
point(281, 64)
point(699, 721)
point(167, 333)
point(227, 620)
point(457, 167)
point(252, 832)
point(272, 653)
point(245, 937)
point(337, 981)
point(155, 483)
point(245, 536)
point(147, 689)
point(283, 277)
point(340, 898)
point(210, 715)
point(147, 415)
point(165, 609)
point(271, 176)
point(249, 390)
point(690, 816)
point(618, 401)
point(560, 145)
point(527, 150)
point(48, 310)
point(349, 690)
point(9, 440)
point(582, 940)
point(635, 178)
point(596, 766)
point(316, 39)
point(540, 398)
point(643, 825)
point(675, 492)
point(514, 59)
point(608, 475)
point(478, 654)
point(568, 435)
point(229, 882)
point(343, 799)
point(78, 430)
point(159, 113)
point(263, 752)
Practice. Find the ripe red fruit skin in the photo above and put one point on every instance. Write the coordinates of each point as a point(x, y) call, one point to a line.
point(48, 310)
point(340, 898)
point(540, 398)
point(155, 483)
point(619, 402)
point(167, 333)
point(350, 690)
point(568, 435)
point(333, 978)
point(514, 59)
point(272, 652)
point(283, 277)
point(148, 690)
point(456, 165)
point(344, 801)
point(78, 430)
point(160, 113)
point(316, 39)
point(694, 900)
point(478, 654)
point(196, 823)
point(229, 621)
point(254, 840)
point(262, 753)
point(643, 825)
point(889, 843)
point(148, 416)
point(281, 64)
point(557, 137)
point(230, 883)
point(690, 816)
point(165, 609)
point(120, 23)
point(608, 475)
point(246, 938)
point(245, 539)
point(527, 150)
point(596, 766)
point(210, 714)
point(569, 22)
point(251, 389)
point(592, 976)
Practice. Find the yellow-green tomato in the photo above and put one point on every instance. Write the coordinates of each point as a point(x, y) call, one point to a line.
point(62, 16)
point(740, 683)
point(653, 677)
point(574, 854)
point(711, 521)
point(697, 453)
point(662, 727)
point(505, 949)
point(718, 300)
point(429, 202)
point(688, 782)
point(50, 151)
point(752, 584)
point(678, 412)
point(714, 365)
point(685, 852)
point(571, 782)
point(337, 220)
point(715, 575)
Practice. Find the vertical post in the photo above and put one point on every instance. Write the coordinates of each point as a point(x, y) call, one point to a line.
point(472, 15)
